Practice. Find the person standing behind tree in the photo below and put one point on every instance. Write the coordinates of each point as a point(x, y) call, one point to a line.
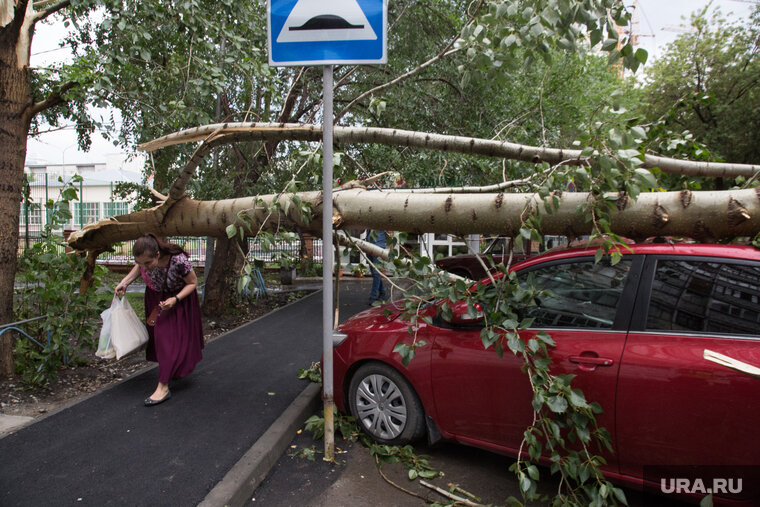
point(377, 292)
point(176, 339)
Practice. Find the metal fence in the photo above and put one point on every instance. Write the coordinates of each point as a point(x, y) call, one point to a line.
point(95, 200)
point(196, 248)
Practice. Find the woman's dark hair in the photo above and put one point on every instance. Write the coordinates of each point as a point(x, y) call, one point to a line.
point(149, 243)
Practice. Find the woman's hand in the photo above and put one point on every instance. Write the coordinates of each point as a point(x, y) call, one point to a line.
point(121, 289)
point(168, 304)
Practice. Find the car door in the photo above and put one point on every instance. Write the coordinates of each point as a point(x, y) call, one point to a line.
point(680, 400)
point(482, 399)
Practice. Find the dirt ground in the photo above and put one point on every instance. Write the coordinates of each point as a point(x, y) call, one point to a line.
point(77, 382)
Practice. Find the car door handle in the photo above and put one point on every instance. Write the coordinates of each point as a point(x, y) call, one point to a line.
point(730, 362)
point(591, 361)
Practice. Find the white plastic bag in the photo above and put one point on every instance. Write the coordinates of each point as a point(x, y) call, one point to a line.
point(127, 330)
point(105, 350)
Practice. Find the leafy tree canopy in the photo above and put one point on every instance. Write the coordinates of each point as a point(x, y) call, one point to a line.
point(708, 83)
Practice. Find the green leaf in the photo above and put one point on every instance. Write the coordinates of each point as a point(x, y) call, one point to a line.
point(231, 230)
point(537, 30)
point(641, 55)
point(515, 344)
point(525, 484)
point(646, 177)
point(546, 338)
point(609, 44)
point(577, 399)
point(620, 495)
point(405, 351)
point(557, 404)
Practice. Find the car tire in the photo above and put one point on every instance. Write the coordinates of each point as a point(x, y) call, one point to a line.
point(385, 405)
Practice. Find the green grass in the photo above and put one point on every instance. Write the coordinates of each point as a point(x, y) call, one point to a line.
point(136, 301)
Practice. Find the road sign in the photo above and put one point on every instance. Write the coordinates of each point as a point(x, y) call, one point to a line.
point(327, 32)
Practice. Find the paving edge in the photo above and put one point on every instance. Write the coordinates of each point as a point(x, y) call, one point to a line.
point(237, 487)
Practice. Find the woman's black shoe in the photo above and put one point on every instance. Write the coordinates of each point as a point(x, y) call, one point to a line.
point(149, 402)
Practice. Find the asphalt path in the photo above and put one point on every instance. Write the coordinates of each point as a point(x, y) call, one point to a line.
point(111, 450)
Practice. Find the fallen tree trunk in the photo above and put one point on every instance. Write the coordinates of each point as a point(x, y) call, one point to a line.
point(704, 216)
point(225, 133)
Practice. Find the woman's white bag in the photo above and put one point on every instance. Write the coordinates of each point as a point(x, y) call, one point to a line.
point(128, 332)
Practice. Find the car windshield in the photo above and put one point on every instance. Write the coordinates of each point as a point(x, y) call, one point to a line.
point(497, 246)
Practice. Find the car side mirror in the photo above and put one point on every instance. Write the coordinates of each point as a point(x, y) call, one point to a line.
point(462, 314)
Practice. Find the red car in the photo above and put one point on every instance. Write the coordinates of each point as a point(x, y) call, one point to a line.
point(469, 266)
point(667, 341)
point(477, 266)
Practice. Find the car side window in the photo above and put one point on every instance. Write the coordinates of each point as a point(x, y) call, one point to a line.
point(711, 297)
point(580, 294)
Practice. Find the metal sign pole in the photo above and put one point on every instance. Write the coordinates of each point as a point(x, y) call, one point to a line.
point(293, 40)
point(327, 260)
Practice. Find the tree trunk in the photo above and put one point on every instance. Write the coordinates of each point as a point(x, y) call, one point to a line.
point(220, 280)
point(705, 216)
point(15, 103)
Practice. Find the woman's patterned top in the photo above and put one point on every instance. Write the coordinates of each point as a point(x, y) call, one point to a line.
point(178, 268)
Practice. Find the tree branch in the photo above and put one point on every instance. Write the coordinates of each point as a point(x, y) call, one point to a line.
point(40, 15)
point(53, 99)
point(226, 133)
point(11, 14)
point(400, 78)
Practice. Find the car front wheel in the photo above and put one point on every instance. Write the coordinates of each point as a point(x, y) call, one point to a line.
point(385, 405)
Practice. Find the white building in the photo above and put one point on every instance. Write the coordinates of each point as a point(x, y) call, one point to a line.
point(96, 198)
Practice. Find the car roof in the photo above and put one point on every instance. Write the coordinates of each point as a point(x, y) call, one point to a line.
point(694, 249)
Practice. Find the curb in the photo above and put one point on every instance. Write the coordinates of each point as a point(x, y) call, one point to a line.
point(236, 488)
point(11, 423)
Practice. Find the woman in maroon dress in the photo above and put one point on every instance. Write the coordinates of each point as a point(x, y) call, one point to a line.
point(176, 339)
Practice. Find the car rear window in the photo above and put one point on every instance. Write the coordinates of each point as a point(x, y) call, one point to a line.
point(705, 296)
point(578, 294)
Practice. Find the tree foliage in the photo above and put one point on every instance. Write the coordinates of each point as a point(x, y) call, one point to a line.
point(50, 282)
point(707, 85)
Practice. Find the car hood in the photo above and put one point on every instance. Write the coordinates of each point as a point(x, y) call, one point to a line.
point(377, 315)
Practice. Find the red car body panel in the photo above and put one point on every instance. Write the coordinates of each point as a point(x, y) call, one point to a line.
point(383, 333)
point(458, 355)
point(671, 413)
point(663, 402)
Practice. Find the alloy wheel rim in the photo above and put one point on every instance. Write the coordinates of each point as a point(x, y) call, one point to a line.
point(381, 406)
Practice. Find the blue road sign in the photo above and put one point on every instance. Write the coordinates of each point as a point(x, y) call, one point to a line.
point(327, 32)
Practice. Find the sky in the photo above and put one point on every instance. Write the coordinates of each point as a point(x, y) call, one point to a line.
point(659, 20)
point(658, 24)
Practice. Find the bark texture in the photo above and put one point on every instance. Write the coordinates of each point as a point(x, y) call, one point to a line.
point(15, 104)
point(220, 279)
point(704, 216)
